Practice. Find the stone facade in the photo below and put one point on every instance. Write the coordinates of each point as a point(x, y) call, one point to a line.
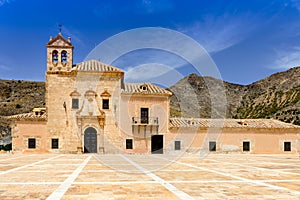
point(90, 109)
point(233, 135)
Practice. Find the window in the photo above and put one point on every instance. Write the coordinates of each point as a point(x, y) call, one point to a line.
point(212, 146)
point(246, 146)
point(105, 104)
point(143, 87)
point(177, 145)
point(64, 56)
point(75, 103)
point(287, 146)
point(55, 56)
point(54, 143)
point(129, 144)
point(144, 115)
point(31, 143)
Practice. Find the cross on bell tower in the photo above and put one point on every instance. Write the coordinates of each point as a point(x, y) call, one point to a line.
point(59, 28)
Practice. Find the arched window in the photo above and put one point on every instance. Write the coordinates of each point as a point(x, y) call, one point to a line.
point(55, 56)
point(64, 56)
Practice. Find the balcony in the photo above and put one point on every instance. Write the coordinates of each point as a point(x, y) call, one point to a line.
point(145, 121)
point(146, 125)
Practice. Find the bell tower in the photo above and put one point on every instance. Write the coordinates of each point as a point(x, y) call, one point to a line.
point(59, 54)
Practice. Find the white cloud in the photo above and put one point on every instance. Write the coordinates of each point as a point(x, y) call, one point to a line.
point(2, 2)
point(219, 33)
point(153, 72)
point(287, 59)
point(146, 71)
point(73, 34)
point(295, 4)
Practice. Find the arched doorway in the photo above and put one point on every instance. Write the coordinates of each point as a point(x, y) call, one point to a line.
point(90, 140)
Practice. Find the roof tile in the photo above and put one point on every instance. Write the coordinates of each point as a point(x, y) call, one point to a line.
point(95, 66)
point(229, 123)
point(144, 88)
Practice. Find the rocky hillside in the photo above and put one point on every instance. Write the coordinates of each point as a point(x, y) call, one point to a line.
point(277, 96)
point(193, 96)
point(19, 97)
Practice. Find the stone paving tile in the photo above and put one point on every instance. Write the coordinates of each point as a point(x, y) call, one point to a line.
point(24, 192)
point(290, 185)
point(241, 176)
point(231, 191)
point(291, 170)
point(190, 175)
point(111, 176)
point(20, 161)
point(34, 177)
point(132, 191)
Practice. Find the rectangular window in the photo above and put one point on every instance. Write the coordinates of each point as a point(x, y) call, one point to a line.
point(287, 146)
point(177, 145)
point(144, 115)
point(31, 143)
point(246, 146)
point(105, 104)
point(212, 146)
point(75, 103)
point(54, 143)
point(129, 144)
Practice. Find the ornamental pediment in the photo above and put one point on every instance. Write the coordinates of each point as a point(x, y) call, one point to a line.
point(105, 94)
point(59, 41)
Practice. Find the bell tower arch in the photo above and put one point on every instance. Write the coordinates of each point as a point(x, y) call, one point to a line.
point(59, 54)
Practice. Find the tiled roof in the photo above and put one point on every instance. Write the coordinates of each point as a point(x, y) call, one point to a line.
point(95, 66)
point(144, 88)
point(28, 116)
point(229, 123)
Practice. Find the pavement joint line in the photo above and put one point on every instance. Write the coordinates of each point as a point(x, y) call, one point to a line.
point(61, 190)
point(166, 184)
point(258, 168)
point(268, 163)
point(28, 165)
point(256, 182)
point(140, 182)
point(30, 183)
point(115, 183)
point(21, 156)
point(68, 164)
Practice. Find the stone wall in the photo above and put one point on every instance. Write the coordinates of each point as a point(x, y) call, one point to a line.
point(131, 105)
point(230, 140)
point(69, 124)
point(22, 130)
point(61, 123)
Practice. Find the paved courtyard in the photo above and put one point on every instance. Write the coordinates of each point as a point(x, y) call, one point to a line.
point(92, 176)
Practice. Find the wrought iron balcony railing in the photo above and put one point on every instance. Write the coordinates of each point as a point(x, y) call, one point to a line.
point(145, 120)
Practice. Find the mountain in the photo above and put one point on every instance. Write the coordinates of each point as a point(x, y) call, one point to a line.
point(19, 97)
point(277, 96)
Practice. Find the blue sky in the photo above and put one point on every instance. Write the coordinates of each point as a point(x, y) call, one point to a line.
point(248, 40)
